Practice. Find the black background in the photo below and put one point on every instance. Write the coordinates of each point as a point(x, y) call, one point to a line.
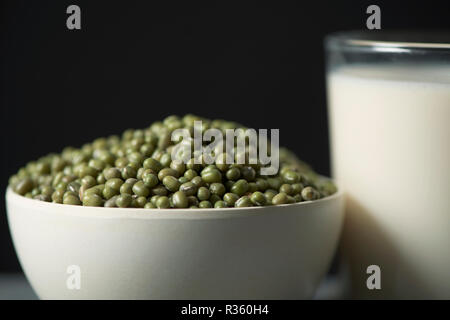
point(133, 63)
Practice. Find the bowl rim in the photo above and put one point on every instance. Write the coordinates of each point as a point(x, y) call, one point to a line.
point(156, 213)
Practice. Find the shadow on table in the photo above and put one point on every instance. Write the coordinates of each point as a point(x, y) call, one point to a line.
point(14, 286)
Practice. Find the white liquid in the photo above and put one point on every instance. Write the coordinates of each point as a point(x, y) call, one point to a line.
point(390, 137)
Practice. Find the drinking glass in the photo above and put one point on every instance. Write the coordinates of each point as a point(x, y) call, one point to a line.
point(389, 111)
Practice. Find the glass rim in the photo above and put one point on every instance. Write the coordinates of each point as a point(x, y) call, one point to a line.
point(389, 40)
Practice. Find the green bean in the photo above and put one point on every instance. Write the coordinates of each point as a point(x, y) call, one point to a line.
point(217, 188)
point(124, 200)
point(92, 200)
point(150, 205)
point(25, 185)
point(205, 204)
point(136, 169)
point(240, 187)
point(309, 194)
point(280, 198)
point(258, 198)
point(243, 202)
point(220, 204)
point(163, 202)
point(171, 183)
point(211, 176)
point(140, 189)
point(189, 188)
point(230, 198)
point(180, 200)
point(203, 194)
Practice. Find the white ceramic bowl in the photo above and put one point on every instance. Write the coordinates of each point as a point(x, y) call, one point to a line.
point(276, 252)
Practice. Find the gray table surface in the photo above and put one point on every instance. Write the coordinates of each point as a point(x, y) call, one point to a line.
point(16, 287)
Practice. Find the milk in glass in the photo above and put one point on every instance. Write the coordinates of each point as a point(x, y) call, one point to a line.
point(390, 143)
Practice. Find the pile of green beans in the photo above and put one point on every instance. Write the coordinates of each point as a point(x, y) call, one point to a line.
point(136, 170)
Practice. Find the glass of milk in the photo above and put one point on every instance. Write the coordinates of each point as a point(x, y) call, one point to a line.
point(389, 117)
